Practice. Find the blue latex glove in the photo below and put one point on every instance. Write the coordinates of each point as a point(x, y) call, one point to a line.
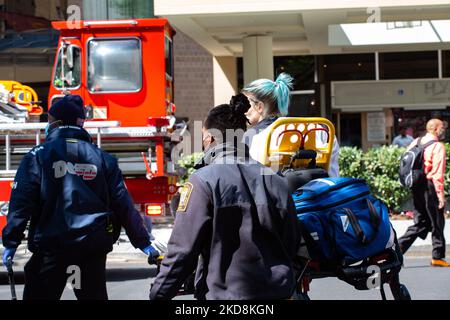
point(152, 253)
point(8, 253)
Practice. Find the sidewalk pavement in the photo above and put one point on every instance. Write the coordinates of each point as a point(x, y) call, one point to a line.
point(124, 252)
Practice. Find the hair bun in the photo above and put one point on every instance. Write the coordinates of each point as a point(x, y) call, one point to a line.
point(239, 104)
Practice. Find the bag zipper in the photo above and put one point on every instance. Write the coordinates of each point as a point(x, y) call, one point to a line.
point(328, 206)
point(335, 187)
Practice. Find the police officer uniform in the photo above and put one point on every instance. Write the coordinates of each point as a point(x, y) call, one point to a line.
point(75, 198)
point(241, 223)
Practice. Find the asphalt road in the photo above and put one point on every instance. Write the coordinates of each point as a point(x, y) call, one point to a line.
point(132, 282)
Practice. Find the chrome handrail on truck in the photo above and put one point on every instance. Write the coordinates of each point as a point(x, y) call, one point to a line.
point(8, 129)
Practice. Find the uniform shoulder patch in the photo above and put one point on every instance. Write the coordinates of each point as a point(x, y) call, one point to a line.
point(185, 195)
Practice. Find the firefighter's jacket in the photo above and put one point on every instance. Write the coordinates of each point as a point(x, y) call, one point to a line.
point(239, 217)
point(74, 196)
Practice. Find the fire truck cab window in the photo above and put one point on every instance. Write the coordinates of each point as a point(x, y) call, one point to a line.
point(68, 76)
point(114, 65)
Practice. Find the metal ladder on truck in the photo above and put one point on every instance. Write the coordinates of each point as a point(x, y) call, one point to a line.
point(143, 155)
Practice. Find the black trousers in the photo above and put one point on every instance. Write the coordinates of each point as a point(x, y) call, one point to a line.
point(427, 218)
point(46, 276)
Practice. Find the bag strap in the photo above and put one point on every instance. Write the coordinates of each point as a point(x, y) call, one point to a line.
point(424, 146)
point(375, 219)
point(356, 226)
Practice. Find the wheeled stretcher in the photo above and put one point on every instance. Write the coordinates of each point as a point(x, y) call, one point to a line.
point(301, 149)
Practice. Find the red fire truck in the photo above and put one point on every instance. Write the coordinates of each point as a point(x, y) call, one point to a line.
point(123, 69)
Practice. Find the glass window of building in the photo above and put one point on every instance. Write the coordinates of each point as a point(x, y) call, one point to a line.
point(415, 121)
point(117, 9)
point(27, 41)
point(350, 129)
point(446, 63)
point(344, 67)
point(301, 68)
point(408, 65)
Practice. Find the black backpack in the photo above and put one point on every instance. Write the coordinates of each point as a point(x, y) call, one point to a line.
point(297, 177)
point(411, 165)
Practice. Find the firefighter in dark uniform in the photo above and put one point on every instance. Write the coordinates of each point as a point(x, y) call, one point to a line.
point(75, 199)
point(239, 221)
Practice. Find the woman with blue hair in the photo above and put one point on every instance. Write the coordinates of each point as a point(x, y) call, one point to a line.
point(268, 101)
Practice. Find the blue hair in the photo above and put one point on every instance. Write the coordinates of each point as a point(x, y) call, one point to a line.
point(274, 94)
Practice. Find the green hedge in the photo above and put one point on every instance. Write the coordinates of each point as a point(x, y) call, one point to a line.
point(186, 164)
point(379, 167)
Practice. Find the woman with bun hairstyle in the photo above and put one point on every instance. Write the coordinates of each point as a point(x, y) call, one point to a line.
point(268, 101)
point(241, 223)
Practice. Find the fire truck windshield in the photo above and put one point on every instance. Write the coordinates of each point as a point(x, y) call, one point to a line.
point(114, 65)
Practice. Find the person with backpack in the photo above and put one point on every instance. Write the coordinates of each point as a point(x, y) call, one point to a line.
point(75, 199)
point(422, 169)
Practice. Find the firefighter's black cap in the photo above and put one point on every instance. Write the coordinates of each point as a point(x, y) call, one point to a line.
point(68, 109)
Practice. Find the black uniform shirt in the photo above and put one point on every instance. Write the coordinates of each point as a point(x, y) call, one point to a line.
point(242, 223)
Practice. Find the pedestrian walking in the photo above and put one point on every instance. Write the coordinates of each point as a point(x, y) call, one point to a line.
point(428, 196)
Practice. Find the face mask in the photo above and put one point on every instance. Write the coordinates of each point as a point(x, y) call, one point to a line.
point(47, 129)
point(50, 126)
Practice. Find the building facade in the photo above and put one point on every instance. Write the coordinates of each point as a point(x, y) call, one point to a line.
point(367, 65)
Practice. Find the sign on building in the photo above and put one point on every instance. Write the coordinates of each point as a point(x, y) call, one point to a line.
point(353, 96)
point(376, 126)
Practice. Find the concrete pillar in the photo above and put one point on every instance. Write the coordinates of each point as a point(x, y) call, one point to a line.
point(225, 79)
point(258, 58)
